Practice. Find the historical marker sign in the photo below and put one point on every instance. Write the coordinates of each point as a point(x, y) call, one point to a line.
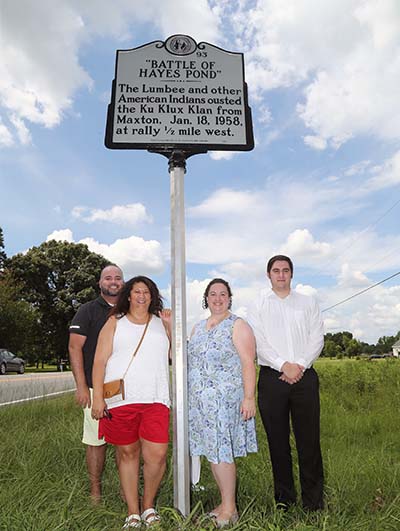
point(179, 94)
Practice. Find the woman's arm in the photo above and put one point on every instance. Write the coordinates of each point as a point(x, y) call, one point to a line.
point(243, 339)
point(103, 352)
point(166, 318)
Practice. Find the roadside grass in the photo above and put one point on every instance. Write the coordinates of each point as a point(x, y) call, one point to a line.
point(43, 485)
point(46, 368)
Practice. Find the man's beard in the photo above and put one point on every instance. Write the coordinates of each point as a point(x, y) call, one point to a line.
point(108, 293)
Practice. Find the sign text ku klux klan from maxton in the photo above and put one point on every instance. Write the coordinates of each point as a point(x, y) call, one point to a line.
point(181, 94)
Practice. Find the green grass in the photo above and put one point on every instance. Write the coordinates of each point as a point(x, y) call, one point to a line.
point(43, 484)
point(45, 368)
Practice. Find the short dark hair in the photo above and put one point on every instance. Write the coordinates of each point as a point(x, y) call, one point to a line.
point(279, 257)
point(217, 281)
point(122, 306)
point(111, 265)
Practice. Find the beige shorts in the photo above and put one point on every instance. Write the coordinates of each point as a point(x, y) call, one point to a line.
point(91, 427)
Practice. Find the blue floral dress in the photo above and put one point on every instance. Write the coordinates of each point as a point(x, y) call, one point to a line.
point(215, 388)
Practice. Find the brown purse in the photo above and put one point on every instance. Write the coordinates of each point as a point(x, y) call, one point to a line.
point(114, 391)
point(113, 388)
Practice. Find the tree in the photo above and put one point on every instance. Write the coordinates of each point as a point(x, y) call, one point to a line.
point(18, 320)
point(331, 349)
point(385, 343)
point(340, 339)
point(57, 277)
point(353, 348)
point(3, 256)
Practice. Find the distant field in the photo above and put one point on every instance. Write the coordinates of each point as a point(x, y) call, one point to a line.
point(43, 483)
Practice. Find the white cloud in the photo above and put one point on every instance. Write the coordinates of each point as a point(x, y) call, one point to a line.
point(264, 115)
point(343, 53)
point(315, 142)
point(40, 71)
point(22, 131)
point(131, 214)
point(231, 224)
point(63, 235)
point(225, 201)
point(222, 155)
point(384, 176)
point(356, 94)
point(368, 316)
point(301, 243)
point(305, 289)
point(6, 138)
point(133, 254)
point(358, 168)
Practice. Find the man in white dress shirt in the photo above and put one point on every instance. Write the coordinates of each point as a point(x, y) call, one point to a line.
point(289, 332)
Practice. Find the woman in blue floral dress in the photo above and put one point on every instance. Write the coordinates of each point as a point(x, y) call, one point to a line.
point(221, 380)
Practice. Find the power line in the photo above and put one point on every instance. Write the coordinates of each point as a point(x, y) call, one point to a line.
point(357, 237)
point(361, 292)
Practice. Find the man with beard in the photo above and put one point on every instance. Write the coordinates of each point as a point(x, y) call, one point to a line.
point(84, 331)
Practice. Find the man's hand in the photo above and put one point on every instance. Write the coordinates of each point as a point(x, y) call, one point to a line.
point(291, 372)
point(82, 396)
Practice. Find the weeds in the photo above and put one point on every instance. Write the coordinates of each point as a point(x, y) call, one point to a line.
point(43, 483)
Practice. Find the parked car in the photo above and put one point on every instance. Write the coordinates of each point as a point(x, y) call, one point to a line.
point(10, 363)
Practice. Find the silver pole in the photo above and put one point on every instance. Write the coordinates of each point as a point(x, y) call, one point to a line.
point(179, 365)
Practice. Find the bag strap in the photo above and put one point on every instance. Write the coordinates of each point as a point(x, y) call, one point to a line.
point(138, 346)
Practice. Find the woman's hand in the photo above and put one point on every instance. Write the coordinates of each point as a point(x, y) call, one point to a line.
point(98, 408)
point(248, 408)
point(166, 317)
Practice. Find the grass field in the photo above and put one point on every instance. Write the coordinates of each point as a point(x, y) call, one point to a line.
point(43, 484)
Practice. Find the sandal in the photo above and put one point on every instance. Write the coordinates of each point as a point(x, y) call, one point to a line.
point(132, 521)
point(150, 516)
point(220, 524)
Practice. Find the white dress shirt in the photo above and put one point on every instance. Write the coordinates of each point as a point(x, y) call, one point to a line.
point(289, 329)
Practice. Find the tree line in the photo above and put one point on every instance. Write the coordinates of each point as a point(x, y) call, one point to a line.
point(40, 291)
point(344, 345)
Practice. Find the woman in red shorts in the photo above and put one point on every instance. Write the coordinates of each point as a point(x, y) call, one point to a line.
point(138, 424)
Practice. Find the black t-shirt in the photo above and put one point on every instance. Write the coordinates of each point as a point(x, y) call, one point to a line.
point(88, 321)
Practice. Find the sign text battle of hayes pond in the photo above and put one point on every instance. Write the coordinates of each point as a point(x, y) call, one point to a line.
point(179, 94)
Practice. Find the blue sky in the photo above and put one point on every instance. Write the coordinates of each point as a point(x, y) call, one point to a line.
point(322, 184)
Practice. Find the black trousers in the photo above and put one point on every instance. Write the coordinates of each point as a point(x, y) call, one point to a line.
point(278, 402)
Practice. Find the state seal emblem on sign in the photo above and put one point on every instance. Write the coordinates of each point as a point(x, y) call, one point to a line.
point(180, 45)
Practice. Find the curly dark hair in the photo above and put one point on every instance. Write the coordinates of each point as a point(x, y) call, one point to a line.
point(217, 281)
point(122, 306)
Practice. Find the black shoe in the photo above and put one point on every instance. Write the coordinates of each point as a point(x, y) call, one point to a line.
point(284, 506)
point(313, 508)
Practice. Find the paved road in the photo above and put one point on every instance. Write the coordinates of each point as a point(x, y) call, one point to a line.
point(29, 386)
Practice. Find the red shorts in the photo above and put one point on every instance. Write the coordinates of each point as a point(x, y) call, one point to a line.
point(134, 421)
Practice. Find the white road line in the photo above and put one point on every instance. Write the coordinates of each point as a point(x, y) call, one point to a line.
point(36, 397)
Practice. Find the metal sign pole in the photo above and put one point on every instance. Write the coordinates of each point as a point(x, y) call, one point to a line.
point(177, 165)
